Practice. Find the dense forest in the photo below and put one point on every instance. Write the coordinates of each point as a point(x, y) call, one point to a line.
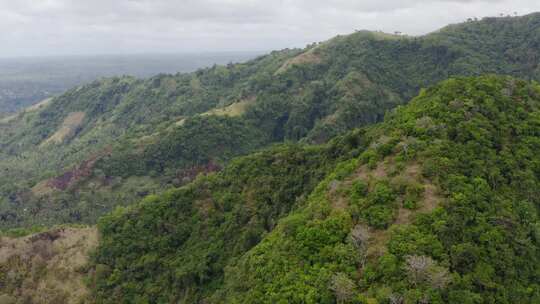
point(438, 204)
point(369, 168)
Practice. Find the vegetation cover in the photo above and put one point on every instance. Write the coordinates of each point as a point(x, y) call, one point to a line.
point(275, 180)
point(438, 204)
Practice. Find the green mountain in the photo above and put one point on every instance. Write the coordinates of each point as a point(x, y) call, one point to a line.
point(111, 142)
point(438, 204)
point(302, 176)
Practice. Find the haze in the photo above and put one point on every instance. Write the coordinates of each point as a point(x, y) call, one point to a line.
point(77, 27)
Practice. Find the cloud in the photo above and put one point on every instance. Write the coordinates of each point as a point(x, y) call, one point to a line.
point(45, 27)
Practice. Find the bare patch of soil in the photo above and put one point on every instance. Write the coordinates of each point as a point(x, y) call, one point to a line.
point(304, 58)
point(67, 129)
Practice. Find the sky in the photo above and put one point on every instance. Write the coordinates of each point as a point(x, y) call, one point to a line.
point(89, 27)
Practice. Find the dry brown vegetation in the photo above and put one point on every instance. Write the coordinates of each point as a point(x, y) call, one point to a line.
point(46, 267)
point(236, 109)
point(307, 57)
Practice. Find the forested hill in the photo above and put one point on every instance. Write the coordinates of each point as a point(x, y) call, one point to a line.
point(438, 204)
point(111, 142)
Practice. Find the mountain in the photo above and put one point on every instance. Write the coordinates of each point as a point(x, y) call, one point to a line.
point(114, 141)
point(437, 204)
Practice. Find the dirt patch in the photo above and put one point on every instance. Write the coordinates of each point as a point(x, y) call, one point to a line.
point(386, 169)
point(236, 109)
point(383, 170)
point(380, 171)
point(63, 181)
point(307, 57)
point(70, 177)
point(377, 243)
point(431, 199)
point(8, 119)
point(339, 203)
point(403, 217)
point(68, 128)
point(41, 189)
point(362, 173)
point(180, 122)
point(413, 171)
point(335, 198)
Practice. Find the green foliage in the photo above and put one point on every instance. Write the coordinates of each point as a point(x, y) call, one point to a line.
point(359, 189)
point(477, 248)
point(200, 141)
point(262, 231)
point(382, 194)
point(414, 192)
point(480, 156)
point(20, 232)
point(378, 216)
point(175, 246)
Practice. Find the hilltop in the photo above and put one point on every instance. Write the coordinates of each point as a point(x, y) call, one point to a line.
point(437, 204)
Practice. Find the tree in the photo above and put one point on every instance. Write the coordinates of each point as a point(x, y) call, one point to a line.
point(418, 268)
point(395, 298)
point(423, 269)
point(343, 287)
point(359, 237)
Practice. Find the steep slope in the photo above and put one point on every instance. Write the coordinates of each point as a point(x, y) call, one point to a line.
point(130, 132)
point(438, 204)
point(194, 231)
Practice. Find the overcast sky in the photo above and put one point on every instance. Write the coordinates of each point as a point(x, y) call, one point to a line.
point(60, 27)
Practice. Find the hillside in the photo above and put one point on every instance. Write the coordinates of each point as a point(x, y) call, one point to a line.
point(44, 268)
point(24, 81)
point(116, 140)
point(437, 204)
